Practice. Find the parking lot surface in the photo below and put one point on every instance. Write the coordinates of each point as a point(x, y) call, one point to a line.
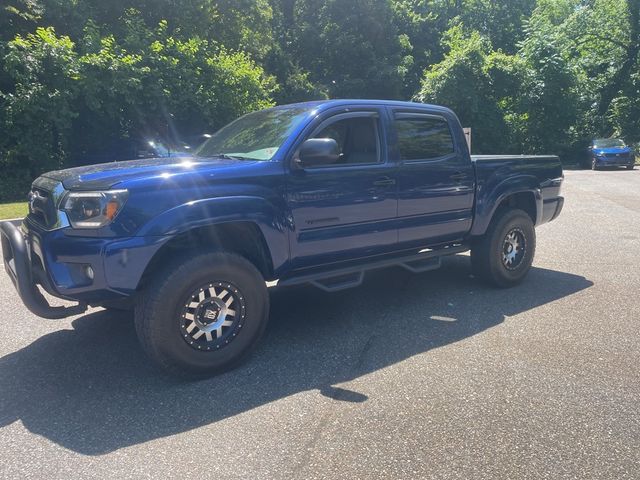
point(409, 376)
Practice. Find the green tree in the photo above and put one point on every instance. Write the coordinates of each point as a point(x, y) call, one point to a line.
point(514, 103)
point(67, 98)
point(294, 83)
point(156, 84)
point(349, 47)
point(549, 100)
point(17, 16)
point(607, 62)
point(463, 82)
point(237, 24)
point(39, 110)
point(424, 23)
point(500, 21)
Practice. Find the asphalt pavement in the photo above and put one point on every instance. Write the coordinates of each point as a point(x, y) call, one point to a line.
point(409, 376)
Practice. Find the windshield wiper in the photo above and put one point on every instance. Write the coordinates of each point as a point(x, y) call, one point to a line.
point(226, 156)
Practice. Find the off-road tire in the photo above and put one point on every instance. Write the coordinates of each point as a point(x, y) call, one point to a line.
point(160, 313)
point(489, 253)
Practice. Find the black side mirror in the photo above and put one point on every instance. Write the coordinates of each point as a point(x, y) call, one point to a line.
point(318, 151)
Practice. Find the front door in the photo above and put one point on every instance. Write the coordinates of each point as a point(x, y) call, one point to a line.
point(347, 209)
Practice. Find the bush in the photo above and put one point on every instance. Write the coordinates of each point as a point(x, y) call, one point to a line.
point(70, 101)
point(38, 112)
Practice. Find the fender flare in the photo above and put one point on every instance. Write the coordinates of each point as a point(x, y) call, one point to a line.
point(219, 210)
point(490, 197)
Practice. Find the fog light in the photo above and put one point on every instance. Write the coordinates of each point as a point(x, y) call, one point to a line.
point(88, 271)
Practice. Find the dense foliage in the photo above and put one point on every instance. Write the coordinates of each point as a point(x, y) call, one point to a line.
point(84, 80)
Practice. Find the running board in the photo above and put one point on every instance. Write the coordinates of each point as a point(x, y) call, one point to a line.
point(423, 265)
point(349, 277)
point(341, 282)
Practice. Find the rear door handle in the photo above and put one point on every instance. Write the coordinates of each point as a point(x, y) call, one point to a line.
point(384, 182)
point(459, 176)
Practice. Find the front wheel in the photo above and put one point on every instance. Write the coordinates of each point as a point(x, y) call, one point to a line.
point(504, 254)
point(630, 167)
point(202, 315)
point(594, 164)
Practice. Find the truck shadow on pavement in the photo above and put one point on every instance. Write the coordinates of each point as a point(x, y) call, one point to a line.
point(92, 390)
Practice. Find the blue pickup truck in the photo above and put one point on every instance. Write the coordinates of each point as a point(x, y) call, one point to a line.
point(315, 193)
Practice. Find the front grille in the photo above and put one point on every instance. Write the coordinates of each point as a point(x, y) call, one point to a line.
point(617, 155)
point(38, 206)
point(43, 202)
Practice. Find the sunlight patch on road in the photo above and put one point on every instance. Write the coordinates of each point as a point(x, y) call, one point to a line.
point(443, 319)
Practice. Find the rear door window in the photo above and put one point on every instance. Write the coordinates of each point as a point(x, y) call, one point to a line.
point(423, 137)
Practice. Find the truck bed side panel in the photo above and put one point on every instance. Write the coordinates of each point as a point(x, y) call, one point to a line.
point(498, 177)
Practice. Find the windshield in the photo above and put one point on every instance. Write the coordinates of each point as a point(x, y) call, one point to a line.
point(256, 136)
point(608, 143)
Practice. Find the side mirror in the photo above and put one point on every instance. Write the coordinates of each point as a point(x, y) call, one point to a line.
point(318, 151)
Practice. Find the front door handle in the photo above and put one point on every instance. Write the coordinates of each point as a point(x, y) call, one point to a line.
point(384, 182)
point(459, 176)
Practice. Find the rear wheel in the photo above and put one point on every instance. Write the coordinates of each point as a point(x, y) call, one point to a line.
point(203, 315)
point(630, 167)
point(503, 256)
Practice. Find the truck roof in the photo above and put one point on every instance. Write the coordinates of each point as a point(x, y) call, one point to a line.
point(324, 104)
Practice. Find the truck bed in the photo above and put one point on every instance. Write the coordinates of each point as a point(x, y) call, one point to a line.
point(498, 176)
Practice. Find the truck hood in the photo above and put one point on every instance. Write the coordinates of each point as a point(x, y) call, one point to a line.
point(107, 175)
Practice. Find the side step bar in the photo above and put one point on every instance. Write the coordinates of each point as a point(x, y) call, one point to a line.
point(349, 277)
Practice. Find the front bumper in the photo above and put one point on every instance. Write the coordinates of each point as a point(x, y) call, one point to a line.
point(57, 261)
point(16, 255)
point(615, 161)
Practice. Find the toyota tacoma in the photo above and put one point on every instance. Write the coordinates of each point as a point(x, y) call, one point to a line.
point(315, 193)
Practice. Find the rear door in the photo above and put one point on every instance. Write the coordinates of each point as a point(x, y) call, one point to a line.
point(435, 178)
point(345, 210)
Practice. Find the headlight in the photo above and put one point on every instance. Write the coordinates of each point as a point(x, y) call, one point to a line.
point(93, 209)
